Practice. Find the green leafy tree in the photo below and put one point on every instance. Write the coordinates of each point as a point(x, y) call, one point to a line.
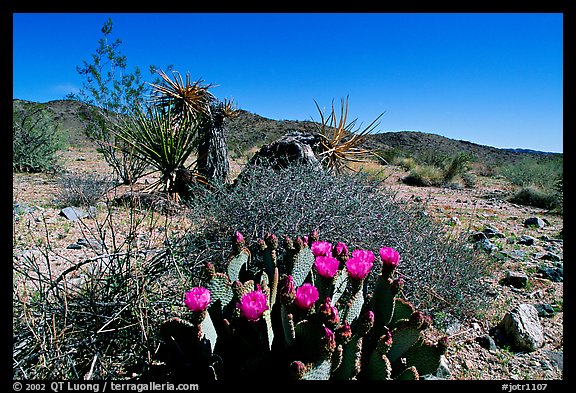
point(35, 141)
point(114, 93)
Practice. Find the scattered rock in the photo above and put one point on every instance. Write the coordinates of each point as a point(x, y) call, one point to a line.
point(556, 357)
point(545, 310)
point(485, 245)
point(515, 279)
point(534, 221)
point(492, 232)
point(487, 342)
point(550, 256)
point(74, 246)
point(555, 274)
point(73, 213)
point(526, 240)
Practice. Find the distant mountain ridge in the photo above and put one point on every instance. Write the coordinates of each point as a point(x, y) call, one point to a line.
point(248, 131)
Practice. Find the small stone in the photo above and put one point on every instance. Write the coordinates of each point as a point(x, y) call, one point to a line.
point(486, 342)
point(74, 246)
point(534, 221)
point(516, 279)
point(72, 213)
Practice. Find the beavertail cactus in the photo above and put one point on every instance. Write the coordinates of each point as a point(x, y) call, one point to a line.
point(304, 314)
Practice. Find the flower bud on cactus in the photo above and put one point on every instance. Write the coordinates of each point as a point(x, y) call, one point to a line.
point(287, 290)
point(343, 333)
point(384, 343)
point(397, 285)
point(313, 237)
point(271, 241)
point(328, 342)
point(366, 322)
point(329, 313)
point(210, 269)
point(340, 252)
point(297, 369)
point(420, 320)
point(288, 243)
point(306, 296)
point(299, 244)
point(238, 238)
point(443, 343)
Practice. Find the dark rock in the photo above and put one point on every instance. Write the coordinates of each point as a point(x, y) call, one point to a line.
point(545, 310)
point(485, 245)
point(550, 256)
point(516, 279)
point(486, 342)
point(74, 246)
point(526, 240)
point(553, 274)
point(477, 236)
point(491, 232)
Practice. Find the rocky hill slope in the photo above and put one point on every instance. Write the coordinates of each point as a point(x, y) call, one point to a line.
point(248, 130)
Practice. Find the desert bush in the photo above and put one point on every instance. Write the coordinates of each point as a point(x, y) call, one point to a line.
point(533, 196)
point(407, 163)
point(536, 171)
point(540, 181)
point(424, 176)
point(82, 189)
point(35, 141)
point(439, 274)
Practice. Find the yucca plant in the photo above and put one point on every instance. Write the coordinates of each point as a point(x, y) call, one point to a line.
point(191, 101)
point(187, 99)
point(340, 142)
point(161, 139)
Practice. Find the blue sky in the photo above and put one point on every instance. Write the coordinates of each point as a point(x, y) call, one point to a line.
point(494, 79)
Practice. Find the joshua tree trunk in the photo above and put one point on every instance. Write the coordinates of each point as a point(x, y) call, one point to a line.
point(212, 160)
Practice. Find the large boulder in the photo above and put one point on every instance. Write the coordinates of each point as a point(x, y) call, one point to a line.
point(522, 328)
point(294, 147)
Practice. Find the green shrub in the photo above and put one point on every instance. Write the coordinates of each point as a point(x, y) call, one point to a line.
point(439, 274)
point(424, 176)
point(533, 196)
point(540, 181)
point(35, 141)
point(542, 172)
point(456, 165)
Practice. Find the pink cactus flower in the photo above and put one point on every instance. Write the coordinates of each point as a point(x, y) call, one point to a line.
point(197, 299)
point(253, 304)
point(326, 266)
point(306, 296)
point(321, 249)
point(360, 264)
point(390, 256)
